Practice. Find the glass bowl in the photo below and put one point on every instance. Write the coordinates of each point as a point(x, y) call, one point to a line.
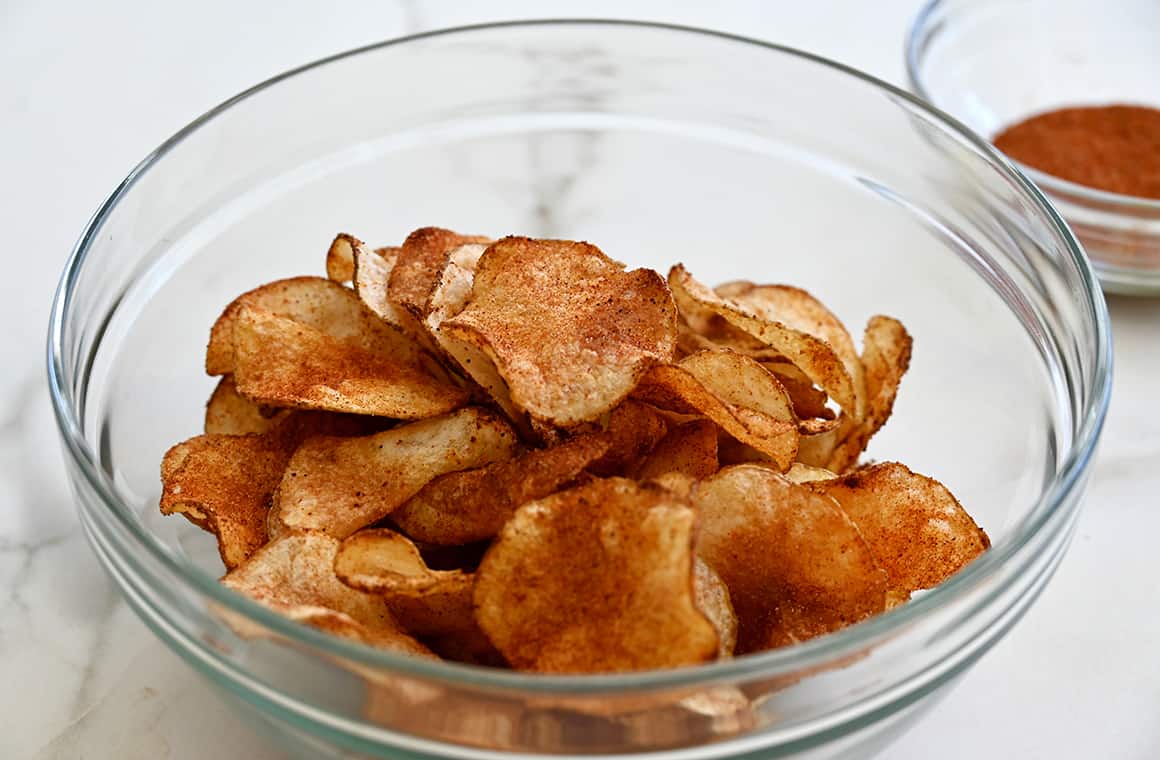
point(993, 63)
point(660, 144)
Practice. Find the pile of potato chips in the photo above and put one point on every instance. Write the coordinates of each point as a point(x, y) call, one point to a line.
point(518, 453)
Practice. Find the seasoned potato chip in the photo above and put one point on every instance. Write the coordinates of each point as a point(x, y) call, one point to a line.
point(917, 530)
point(340, 257)
point(281, 362)
point(733, 391)
point(598, 578)
point(222, 483)
point(634, 429)
point(317, 303)
point(690, 449)
point(371, 272)
point(797, 309)
point(816, 358)
point(794, 563)
point(295, 576)
point(567, 353)
point(229, 413)
point(886, 355)
point(713, 600)
point(339, 485)
point(424, 601)
point(420, 264)
point(462, 507)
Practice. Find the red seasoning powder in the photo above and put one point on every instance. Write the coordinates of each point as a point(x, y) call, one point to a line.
point(1114, 148)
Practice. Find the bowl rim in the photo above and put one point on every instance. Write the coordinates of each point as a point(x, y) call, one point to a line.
point(921, 29)
point(1050, 512)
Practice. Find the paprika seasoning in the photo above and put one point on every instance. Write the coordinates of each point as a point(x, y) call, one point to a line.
point(1114, 148)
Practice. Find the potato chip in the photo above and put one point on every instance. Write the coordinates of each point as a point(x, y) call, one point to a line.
point(794, 563)
point(690, 448)
point(462, 507)
point(450, 296)
point(339, 485)
point(569, 330)
point(917, 530)
point(223, 483)
point(340, 257)
point(886, 347)
point(713, 600)
point(634, 429)
point(281, 362)
point(734, 392)
point(229, 413)
point(599, 578)
point(816, 358)
point(295, 576)
point(425, 601)
point(420, 264)
point(317, 303)
point(371, 272)
point(797, 309)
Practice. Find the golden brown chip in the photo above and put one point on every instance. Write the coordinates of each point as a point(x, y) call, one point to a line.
point(371, 272)
point(229, 413)
point(690, 449)
point(598, 578)
point(569, 330)
point(222, 483)
point(886, 355)
point(317, 303)
point(294, 575)
point(734, 392)
point(339, 485)
point(340, 257)
point(420, 264)
point(917, 530)
point(462, 507)
point(797, 309)
point(425, 601)
point(794, 563)
point(816, 358)
point(713, 600)
point(634, 429)
point(281, 362)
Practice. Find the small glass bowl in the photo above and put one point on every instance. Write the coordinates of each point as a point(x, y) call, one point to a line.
point(661, 144)
point(993, 63)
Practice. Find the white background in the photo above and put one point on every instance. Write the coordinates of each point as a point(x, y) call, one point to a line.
point(86, 90)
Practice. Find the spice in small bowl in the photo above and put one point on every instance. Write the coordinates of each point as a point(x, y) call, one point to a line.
point(1114, 148)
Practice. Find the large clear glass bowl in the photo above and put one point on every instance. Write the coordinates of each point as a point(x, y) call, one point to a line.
point(993, 63)
point(660, 144)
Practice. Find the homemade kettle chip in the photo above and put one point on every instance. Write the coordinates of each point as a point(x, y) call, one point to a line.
point(599, 578)
point(281, 362)
point(812, 355)
point(473, 505)
point(919, 532)
point(569, 330)
point(519, 454)
point(320, 304)
point(339, 485)
point(795, 564)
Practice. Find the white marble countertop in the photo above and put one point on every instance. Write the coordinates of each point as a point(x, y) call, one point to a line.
point(88, 90)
